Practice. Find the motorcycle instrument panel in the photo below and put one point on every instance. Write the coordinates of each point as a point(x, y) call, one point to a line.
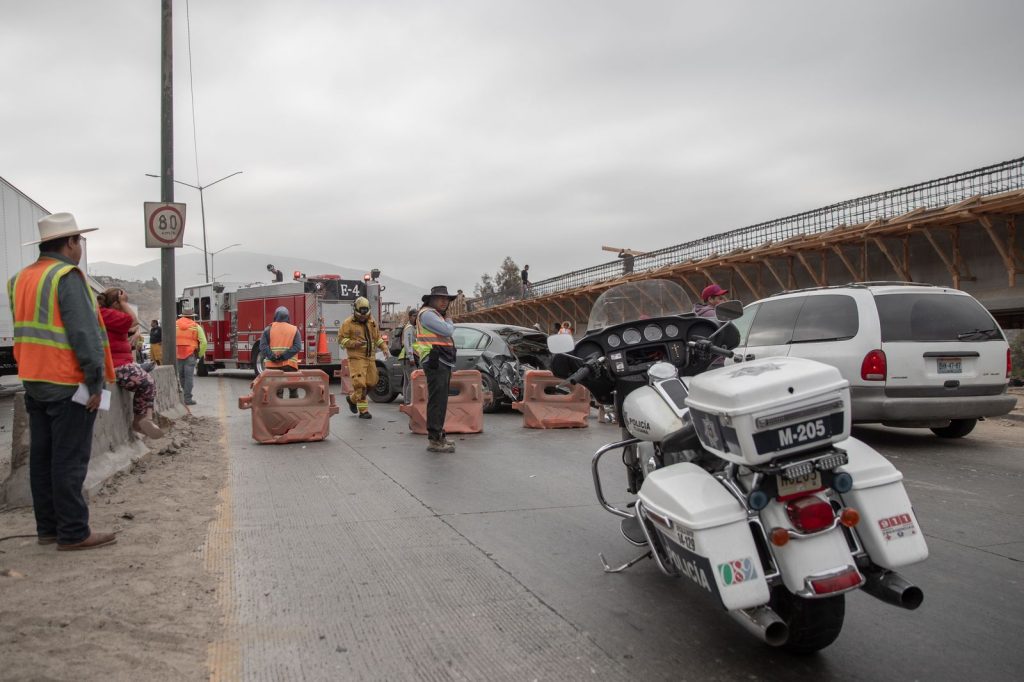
point(634, 348)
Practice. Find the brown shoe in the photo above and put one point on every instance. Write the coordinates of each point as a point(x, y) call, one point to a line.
point(94, 540)
point(147, 427)
point(440, 446)
point(47, 539)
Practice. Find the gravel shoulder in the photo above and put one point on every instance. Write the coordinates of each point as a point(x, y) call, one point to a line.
point(145, 606)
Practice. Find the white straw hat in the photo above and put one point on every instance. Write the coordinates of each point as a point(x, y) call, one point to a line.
point(58, 225)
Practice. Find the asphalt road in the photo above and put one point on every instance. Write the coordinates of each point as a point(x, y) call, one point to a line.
point(365, 557)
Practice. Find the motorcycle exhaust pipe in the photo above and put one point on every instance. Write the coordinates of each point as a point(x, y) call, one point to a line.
point(892, 588)
point(764, 624)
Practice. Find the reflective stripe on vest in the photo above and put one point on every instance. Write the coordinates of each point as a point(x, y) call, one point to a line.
point(282, 336)
point(41, 345)
point(426, 339)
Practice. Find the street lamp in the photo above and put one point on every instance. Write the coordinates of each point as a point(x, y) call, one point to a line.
point(202, 206)
point(211, 254)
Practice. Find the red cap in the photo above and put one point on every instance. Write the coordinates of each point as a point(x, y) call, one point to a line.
point(712, 290)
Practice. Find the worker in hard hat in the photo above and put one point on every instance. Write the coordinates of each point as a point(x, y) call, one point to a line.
point(361, 339)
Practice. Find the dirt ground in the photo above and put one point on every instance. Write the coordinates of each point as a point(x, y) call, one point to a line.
point(144, 608)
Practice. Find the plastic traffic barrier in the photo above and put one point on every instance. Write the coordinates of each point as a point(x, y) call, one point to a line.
point(465, 403)
point(345, 375)
point(290, 407)
point(543, 408)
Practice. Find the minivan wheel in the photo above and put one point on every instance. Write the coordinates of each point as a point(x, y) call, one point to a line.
point(958, 428)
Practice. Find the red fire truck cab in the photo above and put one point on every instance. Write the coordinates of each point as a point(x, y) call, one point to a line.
point(234, 317)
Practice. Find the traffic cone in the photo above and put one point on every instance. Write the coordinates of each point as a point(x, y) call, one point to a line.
point(323, 353)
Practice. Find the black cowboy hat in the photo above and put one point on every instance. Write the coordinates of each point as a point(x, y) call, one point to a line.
point(439, 291)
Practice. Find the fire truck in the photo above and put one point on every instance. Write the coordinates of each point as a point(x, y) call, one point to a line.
point(234, 317)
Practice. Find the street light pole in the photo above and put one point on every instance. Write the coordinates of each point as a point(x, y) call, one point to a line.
point(202, 209)
point(212, 254)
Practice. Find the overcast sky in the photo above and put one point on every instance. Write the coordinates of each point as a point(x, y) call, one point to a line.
point(431, 139)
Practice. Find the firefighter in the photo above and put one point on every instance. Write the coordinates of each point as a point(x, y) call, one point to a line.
point(361, 339)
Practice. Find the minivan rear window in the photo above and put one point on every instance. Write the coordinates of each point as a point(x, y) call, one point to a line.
point(934, 317)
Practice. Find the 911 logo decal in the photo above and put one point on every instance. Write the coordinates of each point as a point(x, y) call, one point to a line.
point(897, 526)
point(737, 571)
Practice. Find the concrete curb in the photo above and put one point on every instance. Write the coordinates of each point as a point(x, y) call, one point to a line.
point(115, 447)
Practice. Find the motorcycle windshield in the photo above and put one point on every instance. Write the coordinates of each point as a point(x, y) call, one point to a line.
point(638, 301)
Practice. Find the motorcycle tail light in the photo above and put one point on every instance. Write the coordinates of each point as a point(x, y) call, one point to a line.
point(873, 367)
point(839, 582)
point(810, 514)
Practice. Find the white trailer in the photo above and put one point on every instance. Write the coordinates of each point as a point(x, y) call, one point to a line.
point(18, 218)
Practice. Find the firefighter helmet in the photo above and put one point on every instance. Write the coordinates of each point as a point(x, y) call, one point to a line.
point(361, 306)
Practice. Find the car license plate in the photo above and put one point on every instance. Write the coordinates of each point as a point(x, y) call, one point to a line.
point(950, 366)
point(802, 484)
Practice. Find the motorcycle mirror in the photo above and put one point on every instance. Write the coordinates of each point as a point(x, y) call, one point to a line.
point(730, 310)
point(561, 343)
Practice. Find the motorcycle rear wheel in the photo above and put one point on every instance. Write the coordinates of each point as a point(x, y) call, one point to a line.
point(813, 623)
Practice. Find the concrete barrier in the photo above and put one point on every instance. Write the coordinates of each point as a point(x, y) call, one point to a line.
point(115, 447)
point(169, 401)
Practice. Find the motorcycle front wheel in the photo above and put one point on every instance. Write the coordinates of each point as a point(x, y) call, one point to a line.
point(813, 623)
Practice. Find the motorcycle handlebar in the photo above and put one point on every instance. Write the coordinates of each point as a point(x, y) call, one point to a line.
point(706, 345)
point(579, 375)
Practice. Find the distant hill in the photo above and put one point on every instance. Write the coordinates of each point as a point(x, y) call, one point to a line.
point(243, 267)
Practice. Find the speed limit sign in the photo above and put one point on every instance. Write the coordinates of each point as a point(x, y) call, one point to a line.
point(165, 225)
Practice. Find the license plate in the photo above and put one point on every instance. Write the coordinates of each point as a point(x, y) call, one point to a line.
point(807, 432)
point(950, 366)
point(802, 484)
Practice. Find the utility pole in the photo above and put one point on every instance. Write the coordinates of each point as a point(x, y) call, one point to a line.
point(167, 293)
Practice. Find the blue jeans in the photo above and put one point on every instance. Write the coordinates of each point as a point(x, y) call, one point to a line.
point(61, 443)
point(187, 375)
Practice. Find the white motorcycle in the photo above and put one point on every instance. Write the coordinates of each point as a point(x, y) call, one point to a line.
point(746, 479)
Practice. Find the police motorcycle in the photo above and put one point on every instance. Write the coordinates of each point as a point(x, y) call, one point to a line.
point(747, 483)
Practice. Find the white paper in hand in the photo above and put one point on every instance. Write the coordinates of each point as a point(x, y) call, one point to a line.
point(81, 397)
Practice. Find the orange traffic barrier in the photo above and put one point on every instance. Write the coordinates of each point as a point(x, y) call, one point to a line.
point(345, 375)
point(465, 403)
point(545, 408)
point(290, 407)
point(323, 353)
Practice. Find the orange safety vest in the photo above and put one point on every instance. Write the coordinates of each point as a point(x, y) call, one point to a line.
point(282, 336)
point(426, 339)
point(41, 346)
point(187, 337)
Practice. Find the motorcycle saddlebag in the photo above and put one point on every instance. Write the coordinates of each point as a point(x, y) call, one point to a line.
point(704, 532)
point(888, 528)
point(758, 411)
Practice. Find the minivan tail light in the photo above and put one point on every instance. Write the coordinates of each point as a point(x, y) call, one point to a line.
point(873, 367)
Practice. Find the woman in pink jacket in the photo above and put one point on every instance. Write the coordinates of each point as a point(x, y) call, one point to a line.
point(121, 322)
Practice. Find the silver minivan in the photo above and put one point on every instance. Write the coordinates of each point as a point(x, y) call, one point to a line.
point(915, 355)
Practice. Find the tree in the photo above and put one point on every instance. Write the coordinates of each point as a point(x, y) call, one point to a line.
point(485, 287)
point(507, 280)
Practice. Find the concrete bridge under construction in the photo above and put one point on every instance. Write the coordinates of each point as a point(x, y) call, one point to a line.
point(958, 231)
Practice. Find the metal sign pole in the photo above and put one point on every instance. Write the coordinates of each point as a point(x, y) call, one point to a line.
point(168, 315)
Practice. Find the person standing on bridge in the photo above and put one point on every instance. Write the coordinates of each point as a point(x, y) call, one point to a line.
point(524, 275)
point(436, 349)
point(63, 359)
point(360, 338)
